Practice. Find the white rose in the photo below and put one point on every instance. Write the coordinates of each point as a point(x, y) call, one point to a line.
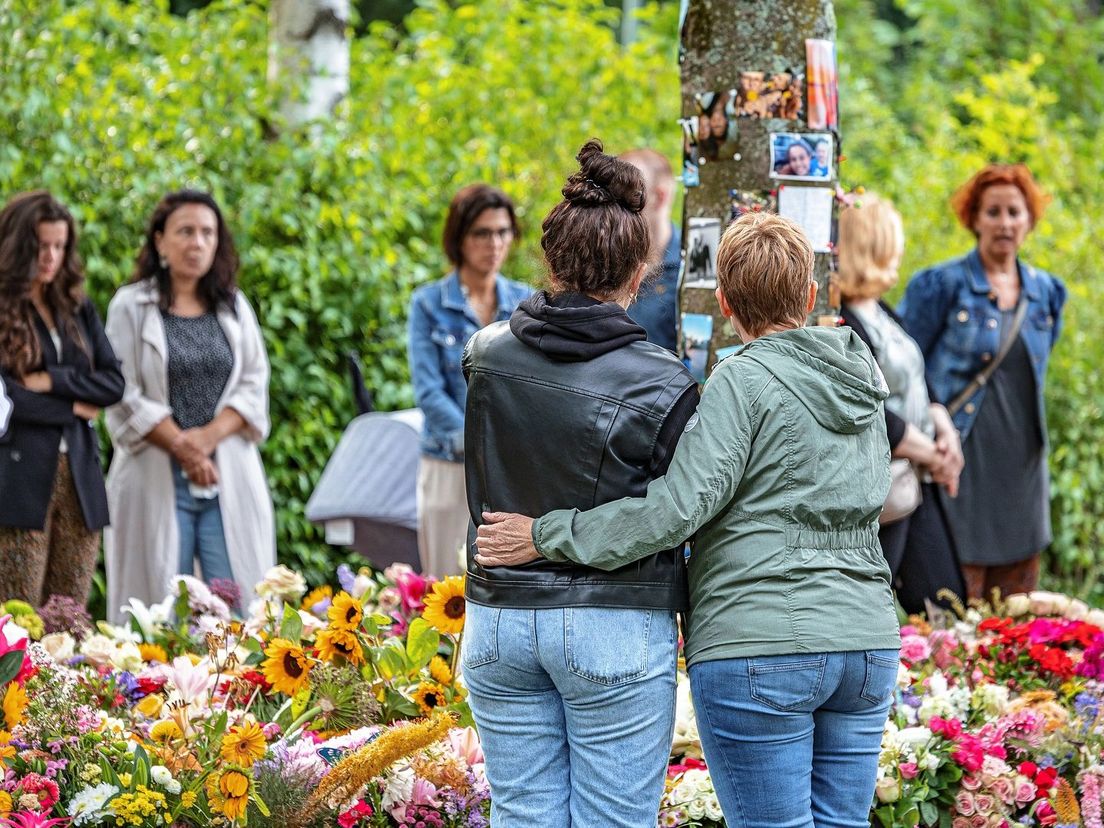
point(1048, 603)
point(283, 583)
point(361, 584)
point(60, 645)
point(1095, 617)
point(98, 649)
point(1077, 610)
point(713, 809)
point(127, 657)
point(1017, 604)
point(887, 790)
point(696, 808)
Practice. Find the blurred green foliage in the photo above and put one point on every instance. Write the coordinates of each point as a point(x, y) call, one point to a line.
point(110, 104)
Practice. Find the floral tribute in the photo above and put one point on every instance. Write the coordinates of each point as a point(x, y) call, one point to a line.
point(344, 706)
point(340, 706)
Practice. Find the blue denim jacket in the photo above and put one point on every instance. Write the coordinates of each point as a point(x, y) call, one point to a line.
point(950, 312)
point(440, 325)
point(656, 309)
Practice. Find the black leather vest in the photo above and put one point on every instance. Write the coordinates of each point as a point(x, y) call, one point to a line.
point(542, 435)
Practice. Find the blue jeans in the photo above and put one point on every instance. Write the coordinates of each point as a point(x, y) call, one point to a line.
point(199, 523)
point(792, 740)
point(575, 709)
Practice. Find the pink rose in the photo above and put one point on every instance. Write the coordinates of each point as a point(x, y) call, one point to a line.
point(914, 648)
point(964, 803)
point(1025, 789)
point(979, 821)
point(1001, 788)
point(984, 803)
point(970, 783)
point(960, 822)
point(908, 770)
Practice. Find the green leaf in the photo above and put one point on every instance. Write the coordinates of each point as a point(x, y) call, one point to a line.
point(422, 641)
point(10, 665)
point(291, 626)
point(141, 768)
point(929, 813)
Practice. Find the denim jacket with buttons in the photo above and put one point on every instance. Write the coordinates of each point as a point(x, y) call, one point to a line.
point(951, 312)
point(440, 325)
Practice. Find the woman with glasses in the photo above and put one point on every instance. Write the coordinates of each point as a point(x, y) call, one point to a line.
point(444, 314)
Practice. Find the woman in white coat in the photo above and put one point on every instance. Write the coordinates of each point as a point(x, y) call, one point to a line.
point(186, 480)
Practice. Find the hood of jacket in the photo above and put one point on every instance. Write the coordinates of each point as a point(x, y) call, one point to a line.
point(571, 327)
point(830, 370)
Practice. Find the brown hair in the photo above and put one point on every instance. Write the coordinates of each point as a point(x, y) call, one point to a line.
point(20, 350)
point(967, 199)
point(764, 267)
point(871, 240)
point(596, 238)
point(219, 286)
point(466, 207)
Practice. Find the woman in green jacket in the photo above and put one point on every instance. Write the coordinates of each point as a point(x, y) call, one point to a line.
point(792, 637)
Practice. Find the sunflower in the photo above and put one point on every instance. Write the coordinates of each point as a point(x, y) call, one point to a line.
point(15, 702)
point(444, 605)
point(244, 744)
point(345, 613)
point(318, 595)
point(228, 791)
point(153, 652)
point(334, 642)
point(165, 730)
point(287, 667)
point(439, 670)
point(429, 696)
point(7, 750)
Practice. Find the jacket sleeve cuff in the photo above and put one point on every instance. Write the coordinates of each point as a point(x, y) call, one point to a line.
point(544, 529)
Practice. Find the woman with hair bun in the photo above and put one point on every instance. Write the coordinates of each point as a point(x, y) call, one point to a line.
point(571, 669)
point(58, 370)
point(986, 323)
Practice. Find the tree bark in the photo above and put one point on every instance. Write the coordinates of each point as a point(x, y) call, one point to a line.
point(719, 41)
point(309, 57)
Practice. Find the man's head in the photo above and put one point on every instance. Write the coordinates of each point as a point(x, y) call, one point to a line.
point(660, 183)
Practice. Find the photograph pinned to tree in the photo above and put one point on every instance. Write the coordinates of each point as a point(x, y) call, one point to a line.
point(716, 126)
point(697, 331)
point(811, 209)
point(823, 80)
point(764, 95)
point(801, 156)
point(690, 176)
point(742, 202)
point(703, 236)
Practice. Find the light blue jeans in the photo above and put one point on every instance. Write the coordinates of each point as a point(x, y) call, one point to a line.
point(792, 741)
point(575, 709)
point(199, 524)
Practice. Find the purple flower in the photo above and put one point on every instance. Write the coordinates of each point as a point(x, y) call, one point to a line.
point(62, 614)
point(346, 577)
point(227, 590)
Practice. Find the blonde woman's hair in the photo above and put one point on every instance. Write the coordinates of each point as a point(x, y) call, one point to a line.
point(764, 267)
point(871, 241)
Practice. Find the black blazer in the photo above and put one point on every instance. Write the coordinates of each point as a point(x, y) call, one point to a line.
point(29, 450)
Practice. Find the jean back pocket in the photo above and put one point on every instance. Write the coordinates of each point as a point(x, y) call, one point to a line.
point(480, 645)
point(787, 683)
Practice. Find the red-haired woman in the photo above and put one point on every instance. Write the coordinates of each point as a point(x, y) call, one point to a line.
point(59, 371)
point(986, 323)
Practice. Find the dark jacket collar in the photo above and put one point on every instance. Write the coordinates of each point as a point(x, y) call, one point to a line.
point(570, 327)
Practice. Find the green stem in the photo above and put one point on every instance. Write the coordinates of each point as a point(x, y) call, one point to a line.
point(302, 720)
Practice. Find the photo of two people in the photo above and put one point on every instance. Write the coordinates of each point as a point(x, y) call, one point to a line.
point(803, 156)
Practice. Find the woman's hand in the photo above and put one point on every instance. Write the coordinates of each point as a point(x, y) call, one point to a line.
point(949, 448)
point(86, 411)
point(203, 473)
point(192, 447)
point(505, 539)
point(38, 381)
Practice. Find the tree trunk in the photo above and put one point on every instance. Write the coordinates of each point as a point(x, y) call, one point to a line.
point(309, 57)
point(721, 40)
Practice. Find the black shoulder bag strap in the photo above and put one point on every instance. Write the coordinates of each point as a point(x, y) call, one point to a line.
point(983, 376)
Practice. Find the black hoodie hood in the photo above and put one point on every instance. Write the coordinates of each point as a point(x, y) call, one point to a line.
point(571, 327)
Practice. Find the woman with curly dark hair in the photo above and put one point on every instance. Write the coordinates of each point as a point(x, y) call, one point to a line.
point(186, 480)
point(58, 370)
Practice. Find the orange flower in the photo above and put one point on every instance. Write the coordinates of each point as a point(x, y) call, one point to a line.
point(228, 791)
point(244, 744)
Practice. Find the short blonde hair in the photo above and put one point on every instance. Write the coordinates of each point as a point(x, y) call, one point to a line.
point(764, 267)
point(871, 241)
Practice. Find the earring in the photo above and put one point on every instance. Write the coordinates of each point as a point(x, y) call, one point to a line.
point(161, 260)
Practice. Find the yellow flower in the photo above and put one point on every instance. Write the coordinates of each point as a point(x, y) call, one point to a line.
point(317, 595)
point(345, 613)
point(334, 642)
point(7, 751)
point(188, 799)
point(125, 779)
point(150, 706)
point(287, 667)
point(15, 702)
point(5, 803)
point(228, 792)
point(445, 607)
point(429, 696)
point(244, 744)
point(153, 652)
point(165, 731)
point(439, 670)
